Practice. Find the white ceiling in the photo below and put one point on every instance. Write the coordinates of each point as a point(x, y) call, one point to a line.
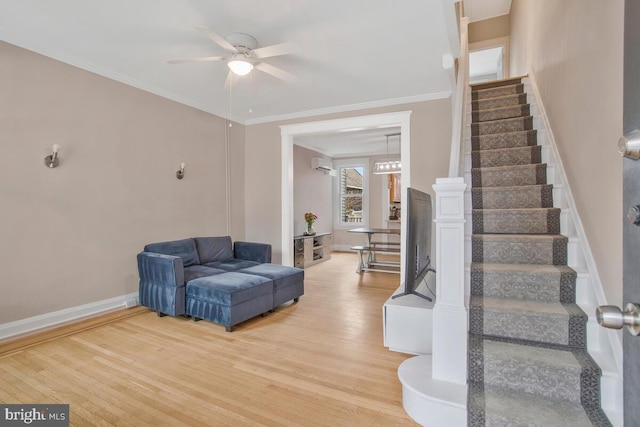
point(354, 143)
point(477, 10)
point(353, 54)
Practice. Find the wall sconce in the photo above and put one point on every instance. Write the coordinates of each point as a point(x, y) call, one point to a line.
point(52, 160)
point(180, 173)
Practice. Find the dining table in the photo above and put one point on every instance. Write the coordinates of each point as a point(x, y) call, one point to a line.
point(370, 261)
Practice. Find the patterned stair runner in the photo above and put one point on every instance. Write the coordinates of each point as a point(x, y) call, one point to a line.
point(528, 363)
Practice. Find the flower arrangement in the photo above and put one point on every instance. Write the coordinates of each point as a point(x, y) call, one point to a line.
point(310, 218)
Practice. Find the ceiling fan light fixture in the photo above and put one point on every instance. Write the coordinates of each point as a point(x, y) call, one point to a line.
point(240, 67)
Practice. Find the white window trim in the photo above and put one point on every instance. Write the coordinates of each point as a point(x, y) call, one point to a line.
point(337, 214)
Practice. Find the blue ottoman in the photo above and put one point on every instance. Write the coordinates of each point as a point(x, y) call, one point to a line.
point(228, 298)
point(288, 282)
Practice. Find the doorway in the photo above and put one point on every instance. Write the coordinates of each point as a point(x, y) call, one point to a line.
point(486, 65)
point(489, 60)
point(289, 132)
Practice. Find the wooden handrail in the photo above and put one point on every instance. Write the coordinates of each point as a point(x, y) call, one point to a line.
point(460, 104)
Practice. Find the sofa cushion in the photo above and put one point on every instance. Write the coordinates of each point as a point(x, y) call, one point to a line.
point(185, 249)
point(213, 248)
point(229, 288)
point(281, 275)
point(232, 264)
point(259, 252)
point(197, 271)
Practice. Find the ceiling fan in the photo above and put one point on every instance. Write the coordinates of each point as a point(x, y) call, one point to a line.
point(244, 55)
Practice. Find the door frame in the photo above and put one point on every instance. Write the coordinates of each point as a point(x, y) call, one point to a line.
point(289, 132)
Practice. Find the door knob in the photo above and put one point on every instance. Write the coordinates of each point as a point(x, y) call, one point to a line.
point(629, 145)
point(610, 316)
point(633, 215)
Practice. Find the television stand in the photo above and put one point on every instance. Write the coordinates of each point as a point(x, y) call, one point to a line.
point(412, 293)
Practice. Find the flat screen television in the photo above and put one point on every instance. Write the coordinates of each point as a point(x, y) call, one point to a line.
point(418, 214)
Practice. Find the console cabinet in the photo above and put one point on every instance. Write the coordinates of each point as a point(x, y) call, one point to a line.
point(407, 324)
point(309, 250)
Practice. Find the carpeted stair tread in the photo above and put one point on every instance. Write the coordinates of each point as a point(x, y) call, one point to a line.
point(519, 248)
point(516, 221)
point(506, 157)
point(501, 126)
point(538, 282)
point(495, 407)
point(549, 372)
point(502, 176)
point(535, 321)
point(512, 197)
point(500, 101)
point(500, 113)
point(514, 139)
point(495, 92)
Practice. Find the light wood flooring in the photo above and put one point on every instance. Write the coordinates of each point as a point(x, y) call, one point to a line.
point(320, 362)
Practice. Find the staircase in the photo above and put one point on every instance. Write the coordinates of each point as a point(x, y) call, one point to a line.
point(527, 358)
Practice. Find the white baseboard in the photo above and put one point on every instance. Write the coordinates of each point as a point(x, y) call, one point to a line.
point(44, 321)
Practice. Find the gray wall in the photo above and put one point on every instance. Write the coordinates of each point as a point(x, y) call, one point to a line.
point(70, 235)
point(488, 29)
point(575, 49)
point(312, 192)
point(430, 146)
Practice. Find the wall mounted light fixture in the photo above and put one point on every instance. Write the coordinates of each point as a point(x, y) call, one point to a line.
point(180, 173)
point(51, 161)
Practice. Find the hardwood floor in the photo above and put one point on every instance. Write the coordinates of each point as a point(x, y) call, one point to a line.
point(320, 362)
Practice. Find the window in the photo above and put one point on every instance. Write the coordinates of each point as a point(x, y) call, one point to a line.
point(352, 190)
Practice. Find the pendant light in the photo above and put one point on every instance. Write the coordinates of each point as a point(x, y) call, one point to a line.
point(387, 166)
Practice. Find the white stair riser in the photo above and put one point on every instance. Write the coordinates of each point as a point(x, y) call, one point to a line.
point(567, 227)
point(585, 297)
point(575, 259)
point(559, 200)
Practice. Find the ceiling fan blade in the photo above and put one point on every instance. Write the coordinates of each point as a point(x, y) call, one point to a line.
point(199, 59)
point(276, 72)
point(275, 50)
point(217, 38)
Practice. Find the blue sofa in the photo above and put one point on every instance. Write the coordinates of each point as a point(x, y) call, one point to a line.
point(214, 279)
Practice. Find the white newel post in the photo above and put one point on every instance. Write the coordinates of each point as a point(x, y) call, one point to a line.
point(449, 312)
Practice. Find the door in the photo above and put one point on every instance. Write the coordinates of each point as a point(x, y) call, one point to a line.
point(630, 147)
point(631, 199)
